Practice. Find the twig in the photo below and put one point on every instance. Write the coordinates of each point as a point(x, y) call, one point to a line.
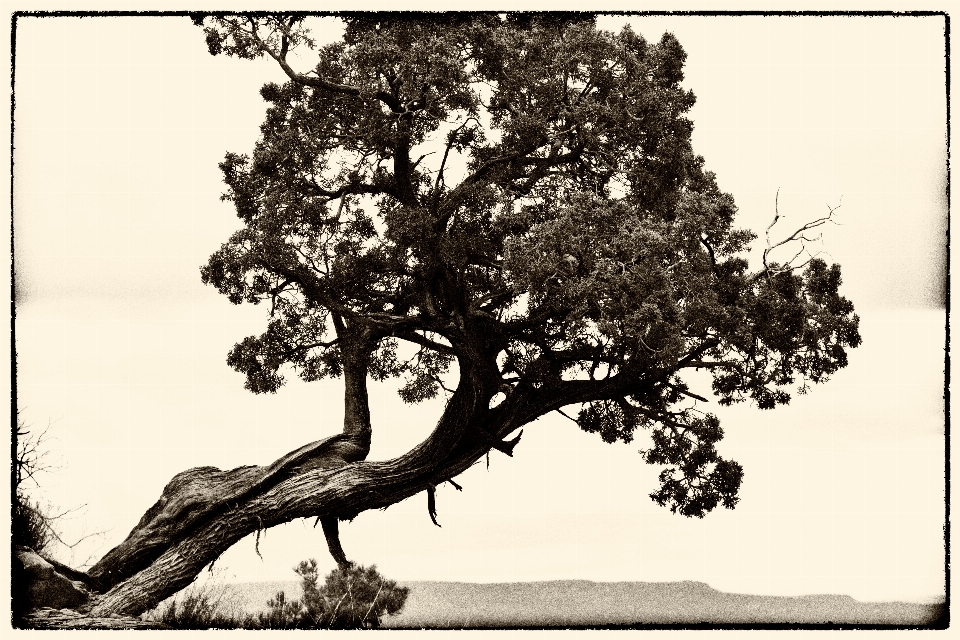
point(373, 603)
point(798, 235)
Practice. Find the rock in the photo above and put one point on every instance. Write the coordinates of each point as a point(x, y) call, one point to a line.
point(48, 618)
point(42, 586)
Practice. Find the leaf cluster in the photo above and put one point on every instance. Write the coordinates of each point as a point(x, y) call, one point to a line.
point(698, 479)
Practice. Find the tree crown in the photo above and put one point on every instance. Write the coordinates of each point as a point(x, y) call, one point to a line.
point(517, 195)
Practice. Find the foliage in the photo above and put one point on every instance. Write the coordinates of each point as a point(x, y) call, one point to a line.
point(515, 194)
point(352, 597)
point(31, 524)
point(281, 614)
point(200, 607)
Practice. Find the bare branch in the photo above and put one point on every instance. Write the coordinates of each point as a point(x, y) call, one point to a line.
point(331, 531)
point(799, 235)
point(416, 338)
point(649, 348)
point(451, 137)
point(432, 504)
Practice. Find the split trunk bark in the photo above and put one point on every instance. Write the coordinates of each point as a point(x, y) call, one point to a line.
point(204, 511)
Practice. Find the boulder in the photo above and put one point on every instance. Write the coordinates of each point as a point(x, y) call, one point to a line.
point(42, 586)
point(47, 618)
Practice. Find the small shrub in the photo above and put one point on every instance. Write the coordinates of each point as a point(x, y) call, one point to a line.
point(200, 607)
point(358, 597)
point(30, 526)
point(282, 614)
point(351, 598)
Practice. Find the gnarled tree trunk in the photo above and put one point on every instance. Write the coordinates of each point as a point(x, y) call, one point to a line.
point(204, 511)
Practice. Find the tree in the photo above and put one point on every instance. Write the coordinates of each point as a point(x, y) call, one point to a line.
point(503, 209)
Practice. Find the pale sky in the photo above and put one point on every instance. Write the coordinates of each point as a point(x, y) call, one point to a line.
point(120, 124)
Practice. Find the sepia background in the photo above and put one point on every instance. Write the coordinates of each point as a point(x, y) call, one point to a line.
point(120, 124)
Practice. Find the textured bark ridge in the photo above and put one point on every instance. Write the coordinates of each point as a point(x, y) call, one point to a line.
point(204, 511)
point(199, 494)
point(326, 491)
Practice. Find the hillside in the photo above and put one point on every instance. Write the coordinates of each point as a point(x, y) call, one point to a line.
point(579, 603)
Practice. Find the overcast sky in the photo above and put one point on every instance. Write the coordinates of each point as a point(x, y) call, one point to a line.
point(120, 124)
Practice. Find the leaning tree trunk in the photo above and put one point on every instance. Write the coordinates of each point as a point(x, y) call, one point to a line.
point(204, 511)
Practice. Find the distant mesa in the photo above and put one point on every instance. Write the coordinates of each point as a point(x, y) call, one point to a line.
point(583, 603)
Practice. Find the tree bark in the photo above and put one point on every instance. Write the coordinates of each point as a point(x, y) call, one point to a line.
point(204, 511)
point(198, 495)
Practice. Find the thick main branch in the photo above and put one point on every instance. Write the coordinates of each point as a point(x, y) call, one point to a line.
point(204, 511)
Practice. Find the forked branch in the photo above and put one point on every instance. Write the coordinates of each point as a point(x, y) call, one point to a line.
point(800, 235)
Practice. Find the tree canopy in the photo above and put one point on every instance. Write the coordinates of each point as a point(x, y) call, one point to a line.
point(517, 195)
point(504, 209)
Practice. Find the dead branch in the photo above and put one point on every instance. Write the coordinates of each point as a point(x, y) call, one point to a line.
point(799, 235)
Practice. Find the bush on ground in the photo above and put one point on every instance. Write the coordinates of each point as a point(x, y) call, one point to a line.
point(351, 598)
point(202, 606)
point(354, 597)
point(30, 526)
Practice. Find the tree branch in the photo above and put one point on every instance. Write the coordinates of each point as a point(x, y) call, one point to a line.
point(796, 235)
point(416, 338)
point(451, 137)
point(687, 393)
point(315, 81)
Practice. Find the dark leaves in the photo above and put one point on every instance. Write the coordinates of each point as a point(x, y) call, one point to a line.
point(796, 325)
point(611, 419)
point(524, 184)
point(697, 479)
point(251, 356)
